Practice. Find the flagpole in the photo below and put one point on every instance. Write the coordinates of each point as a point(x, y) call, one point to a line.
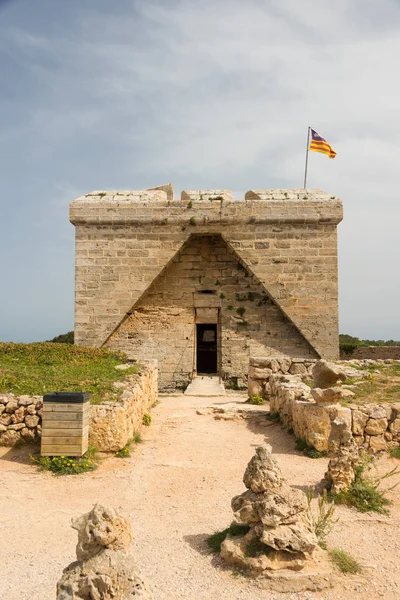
point(305, 170)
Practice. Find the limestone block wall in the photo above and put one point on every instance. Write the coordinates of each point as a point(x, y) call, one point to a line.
point(374, 426)
point(20, 418)
point(112, 424)
point(162, 323)
point(285, 241)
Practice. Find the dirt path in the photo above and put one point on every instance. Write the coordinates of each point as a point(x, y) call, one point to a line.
point(176, 488)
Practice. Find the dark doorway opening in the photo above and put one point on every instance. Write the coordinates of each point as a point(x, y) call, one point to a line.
point(206, 348)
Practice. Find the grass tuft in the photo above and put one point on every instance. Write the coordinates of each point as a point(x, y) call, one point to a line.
point(309, 451)
point(323, 520)
point(146, 419)
point(364, 493)
point(125, 452)
point(344, 561)
point(215, 540)
point(395, 452)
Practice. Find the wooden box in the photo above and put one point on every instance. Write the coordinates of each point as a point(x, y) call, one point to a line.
point(65, 424)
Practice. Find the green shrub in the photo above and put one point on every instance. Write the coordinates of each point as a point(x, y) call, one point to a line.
point(214, 541)
point(363, 493)
point(256, 399)
point(67, 465)
point(395, 452)
point(146, 420)
point(344, 561)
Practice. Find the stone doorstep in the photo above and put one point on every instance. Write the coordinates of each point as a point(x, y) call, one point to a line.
point(205, 385)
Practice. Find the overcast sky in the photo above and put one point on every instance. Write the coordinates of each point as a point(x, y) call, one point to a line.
point(129, 94)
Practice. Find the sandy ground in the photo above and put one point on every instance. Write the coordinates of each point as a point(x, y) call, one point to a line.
point(176, 488)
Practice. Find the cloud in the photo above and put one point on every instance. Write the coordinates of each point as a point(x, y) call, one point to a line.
point(217, 93)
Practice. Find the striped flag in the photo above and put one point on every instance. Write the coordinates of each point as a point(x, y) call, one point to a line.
point(318, 144)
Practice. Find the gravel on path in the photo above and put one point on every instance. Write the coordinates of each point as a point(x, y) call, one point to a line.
point(176, 488)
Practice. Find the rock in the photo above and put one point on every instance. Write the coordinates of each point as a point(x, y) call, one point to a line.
point(28, 434)
point(297, 369)
point(254, 387)
point(2, 408)
point(260, 362)
point(280, 543)
point(377, 443)
point(327, 396)
point(104, 569)
point(31, 409)
point(285, 364)
point(346, 393)
point(5, 419)
point(12, 406)
point(101, 528)
point(359, 422)
point(274, 365)
point(327, 374)
point(18, 416)
point(3, 428)
point(4, 398)
point(376, 426)
point(258, 373)
point(393, 427)
point(343, 454)
point(25, 400)
point(16, 426)
point(31, 421)
point(377, 412)
point(262, 472)
point(10, 437)
point(122, 367)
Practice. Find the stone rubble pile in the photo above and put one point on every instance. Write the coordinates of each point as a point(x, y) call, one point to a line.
point(280, 545)
point(104, 569)
point(20, 418)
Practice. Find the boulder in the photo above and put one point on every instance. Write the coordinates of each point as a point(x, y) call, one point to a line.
point(327, 374)
point(327, 396)
point(297, 369)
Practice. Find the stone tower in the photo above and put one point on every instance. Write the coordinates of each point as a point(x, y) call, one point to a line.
point(205, 282)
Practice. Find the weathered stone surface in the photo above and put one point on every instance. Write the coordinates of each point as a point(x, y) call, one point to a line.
point(326, 396)
point(376, 426)
point(344, 456)
point(327, 374)
point(10, 437)
point(16, 426)
point(394, 427)
point(25, 400)
point(104, 571)
point(5, 419)
point(279, 528)
point(28, 434)
point(31, 421)
point(101, 528)
point(126, 239)
point(359, 422)
point(376, 412)
point(377, 443)
point(259, 373)
point(285, 364)
point(254, 386)
point(297, 369)
point(262, 472)
point(18, 416)
point(11, 406)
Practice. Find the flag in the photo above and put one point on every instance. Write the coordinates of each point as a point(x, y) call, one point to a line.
point(318, 144)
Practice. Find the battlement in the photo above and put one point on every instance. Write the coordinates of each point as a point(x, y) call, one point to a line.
point(158, 205)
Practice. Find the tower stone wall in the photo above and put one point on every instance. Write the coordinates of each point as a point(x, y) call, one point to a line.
point(264, 269)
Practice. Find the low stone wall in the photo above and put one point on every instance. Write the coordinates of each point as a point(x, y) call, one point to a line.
point(372, 352)
point(373, 426)
point(260, 370)
point(20, 419)
point(112, 423)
